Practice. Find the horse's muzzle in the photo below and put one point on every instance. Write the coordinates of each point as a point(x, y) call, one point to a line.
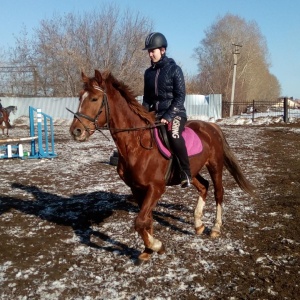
point(79, 134)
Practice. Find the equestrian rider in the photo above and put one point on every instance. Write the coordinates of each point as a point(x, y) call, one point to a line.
point(2, 113)
point(164, 93)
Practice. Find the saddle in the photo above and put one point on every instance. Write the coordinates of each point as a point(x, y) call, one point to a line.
point(192, 141)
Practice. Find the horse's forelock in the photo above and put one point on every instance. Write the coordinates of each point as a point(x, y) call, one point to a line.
point(89, 84)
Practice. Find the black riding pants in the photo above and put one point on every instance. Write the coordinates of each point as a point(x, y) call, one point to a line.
point(177, 142)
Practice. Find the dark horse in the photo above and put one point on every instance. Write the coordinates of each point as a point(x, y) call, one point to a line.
point(4, 117)
point(106, 101)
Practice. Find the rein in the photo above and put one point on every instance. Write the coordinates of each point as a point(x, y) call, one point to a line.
point(156, 124)
point(105, 105)
point(94, 121)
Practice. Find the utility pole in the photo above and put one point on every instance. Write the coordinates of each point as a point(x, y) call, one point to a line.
point(235, 52)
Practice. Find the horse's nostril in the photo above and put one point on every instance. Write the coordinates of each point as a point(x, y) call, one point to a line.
point(77, 131)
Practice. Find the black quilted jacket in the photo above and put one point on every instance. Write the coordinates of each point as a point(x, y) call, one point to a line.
point(164, 89)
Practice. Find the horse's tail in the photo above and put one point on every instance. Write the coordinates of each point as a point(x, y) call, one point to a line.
point(232, 165)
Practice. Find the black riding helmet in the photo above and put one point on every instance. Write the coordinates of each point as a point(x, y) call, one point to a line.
point(155, 40)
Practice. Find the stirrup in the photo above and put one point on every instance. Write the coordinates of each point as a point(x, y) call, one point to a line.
point(186, 182)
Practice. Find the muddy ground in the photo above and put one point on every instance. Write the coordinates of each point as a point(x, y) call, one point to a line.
point(66, 226)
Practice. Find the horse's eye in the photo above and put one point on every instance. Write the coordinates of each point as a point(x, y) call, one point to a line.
point(94, 99)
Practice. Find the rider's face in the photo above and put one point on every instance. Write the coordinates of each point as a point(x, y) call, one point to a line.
point(156, 54)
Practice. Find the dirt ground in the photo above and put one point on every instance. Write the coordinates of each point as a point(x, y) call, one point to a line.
point(66, 227)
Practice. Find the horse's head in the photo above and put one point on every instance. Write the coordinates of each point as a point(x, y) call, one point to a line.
point(14, 109)
point(92, 109)
point(10, 109)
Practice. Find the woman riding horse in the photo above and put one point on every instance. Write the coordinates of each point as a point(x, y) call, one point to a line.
point(164, 93)
point(106, 101)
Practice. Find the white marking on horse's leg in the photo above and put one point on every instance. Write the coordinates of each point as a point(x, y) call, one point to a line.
point(155, 244)
point(218, 222)
point(198, 213)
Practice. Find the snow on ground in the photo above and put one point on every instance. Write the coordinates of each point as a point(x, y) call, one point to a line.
point(97, 261)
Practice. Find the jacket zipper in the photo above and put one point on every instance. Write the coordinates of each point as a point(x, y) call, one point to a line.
point(156, 80)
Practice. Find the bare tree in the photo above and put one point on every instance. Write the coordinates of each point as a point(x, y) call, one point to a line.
point(18, 78)
point(66, 44)
point(192, 84)
point(215, 61)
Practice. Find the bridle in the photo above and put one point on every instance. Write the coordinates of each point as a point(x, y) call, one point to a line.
point(94, 121)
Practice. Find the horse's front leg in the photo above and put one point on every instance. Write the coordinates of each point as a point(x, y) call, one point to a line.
point(201, 185)
point(144, 222)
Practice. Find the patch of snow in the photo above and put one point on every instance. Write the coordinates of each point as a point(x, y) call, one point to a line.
point(112, 243)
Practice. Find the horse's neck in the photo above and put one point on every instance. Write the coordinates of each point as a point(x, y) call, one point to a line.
point(121, 115)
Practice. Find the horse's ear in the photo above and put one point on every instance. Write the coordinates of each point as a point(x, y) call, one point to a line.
point(85, 79)
point(98, 77)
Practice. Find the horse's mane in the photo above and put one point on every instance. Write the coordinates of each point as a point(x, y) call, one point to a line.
point(10, 109)
point(127, 94)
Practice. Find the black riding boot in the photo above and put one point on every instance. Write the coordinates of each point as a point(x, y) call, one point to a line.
point(179, 149)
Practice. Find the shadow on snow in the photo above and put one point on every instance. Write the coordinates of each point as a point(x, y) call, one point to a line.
point(81, 211)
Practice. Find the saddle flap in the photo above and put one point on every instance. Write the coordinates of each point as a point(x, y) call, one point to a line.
point(192, 141)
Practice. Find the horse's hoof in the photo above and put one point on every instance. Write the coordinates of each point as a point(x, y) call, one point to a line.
point(143, 258)
point(215, 234)
point(140, 262)
point(162, 250)
point(200, 230)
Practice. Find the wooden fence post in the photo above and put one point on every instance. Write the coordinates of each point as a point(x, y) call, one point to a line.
point(253, 110)
point(285, 110)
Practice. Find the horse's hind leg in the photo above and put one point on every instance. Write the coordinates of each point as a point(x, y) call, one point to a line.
point(201, 185)
point(2, 127)
point(7, 125)
point(216, 176)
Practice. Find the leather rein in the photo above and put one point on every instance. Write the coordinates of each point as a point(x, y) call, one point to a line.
point(94, 121)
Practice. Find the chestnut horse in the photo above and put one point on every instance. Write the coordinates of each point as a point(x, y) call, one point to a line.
point(4, 117)
point(106, 101)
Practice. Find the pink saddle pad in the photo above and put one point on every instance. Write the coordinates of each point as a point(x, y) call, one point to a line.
point(192, 142)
